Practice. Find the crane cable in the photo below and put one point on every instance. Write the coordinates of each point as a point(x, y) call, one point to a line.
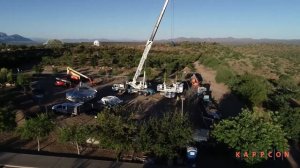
point(173, 21)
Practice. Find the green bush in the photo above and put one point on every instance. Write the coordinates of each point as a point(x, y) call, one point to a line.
point(287, 83)
point(3, 75)
point(224, 75)
point(252, 88)
point(54, 43)
point(7, 119)
point(251, 131)
point(210, 62)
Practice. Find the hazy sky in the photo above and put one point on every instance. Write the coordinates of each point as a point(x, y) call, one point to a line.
point(134, 19)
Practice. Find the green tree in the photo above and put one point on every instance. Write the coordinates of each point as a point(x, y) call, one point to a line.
point(36, 128)
point(289, 119)
point(115, 131)
point(3, 75)
point(76, 134)
point(144, 140)
point(23, 81)
point(252, 88)
point(9, 76)
point(81, 59)
point(288, 116)
point(165, 135)
point(7, 119)
point(251, 131)
point(54, 44)
point(149, 74)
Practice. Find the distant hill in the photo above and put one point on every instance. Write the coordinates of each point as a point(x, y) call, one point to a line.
point(231, 40)
point(14, 39)
point(83, 40)
point(17, 39)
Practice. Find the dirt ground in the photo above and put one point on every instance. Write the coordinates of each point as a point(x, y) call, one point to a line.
point(219, 90)
point(142, 106)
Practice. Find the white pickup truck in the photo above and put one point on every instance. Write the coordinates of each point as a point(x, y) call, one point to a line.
point(67, 108)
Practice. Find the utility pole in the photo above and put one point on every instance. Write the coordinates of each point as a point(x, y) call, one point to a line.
point(182, 99)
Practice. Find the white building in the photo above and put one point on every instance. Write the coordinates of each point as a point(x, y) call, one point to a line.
point(96, 43)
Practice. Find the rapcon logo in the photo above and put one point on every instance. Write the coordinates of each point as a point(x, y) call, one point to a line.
point(262, 154)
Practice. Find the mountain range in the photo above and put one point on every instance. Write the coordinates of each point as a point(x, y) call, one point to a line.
point(14, 39)
point(17, 39)
point(231, 40)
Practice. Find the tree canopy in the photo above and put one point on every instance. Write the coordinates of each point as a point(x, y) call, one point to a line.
point(7, 119)
point(54, 43)
point(164, 136)
point(115, 132)
point(252, 88)
point(36, 128)
point(76, 134)
point(251, 131)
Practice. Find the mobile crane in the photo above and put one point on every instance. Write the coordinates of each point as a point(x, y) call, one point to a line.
point(135, 86)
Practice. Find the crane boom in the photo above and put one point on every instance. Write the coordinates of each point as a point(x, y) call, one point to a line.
point(149, 43)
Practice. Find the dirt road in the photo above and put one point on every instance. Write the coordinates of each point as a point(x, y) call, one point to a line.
point(218, 89)
point(229, 104)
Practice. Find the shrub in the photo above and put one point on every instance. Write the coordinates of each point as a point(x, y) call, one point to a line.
point(287, 83)
point(3, 75)
point(224, 75)
point(210, 62)
point(7, 119)
point(250, 87)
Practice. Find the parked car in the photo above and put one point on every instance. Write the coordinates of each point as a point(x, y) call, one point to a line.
point(110, 101)
point(62, 82)
point(70, 108)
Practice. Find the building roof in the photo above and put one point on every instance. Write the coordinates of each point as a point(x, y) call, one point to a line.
point(82, 93)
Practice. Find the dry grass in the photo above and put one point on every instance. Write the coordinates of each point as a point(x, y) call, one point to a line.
point(269, 60)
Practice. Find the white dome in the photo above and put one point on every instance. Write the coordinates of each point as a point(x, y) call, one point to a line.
point(96, 43)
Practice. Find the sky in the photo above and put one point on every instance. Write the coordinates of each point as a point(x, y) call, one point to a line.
point(134, 19)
